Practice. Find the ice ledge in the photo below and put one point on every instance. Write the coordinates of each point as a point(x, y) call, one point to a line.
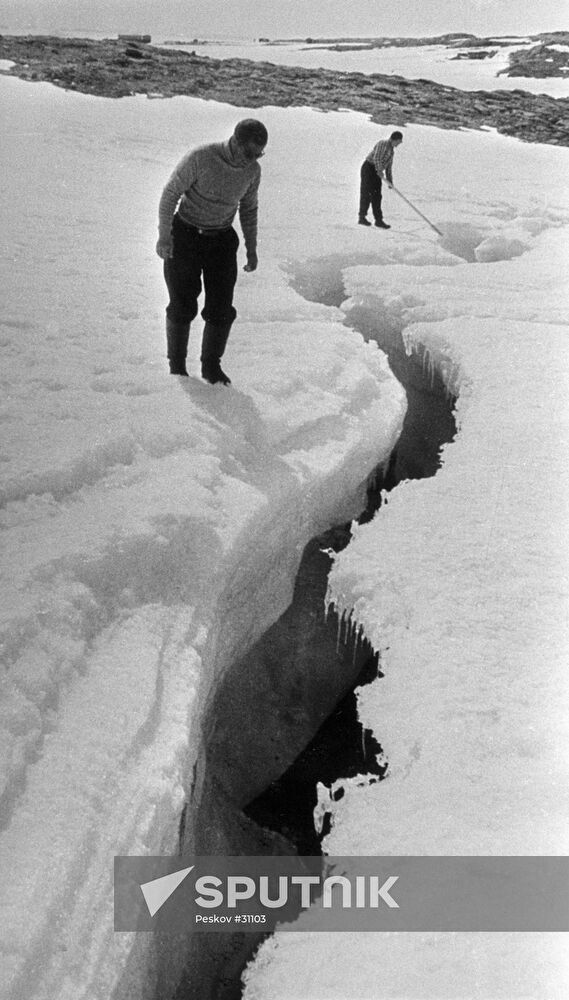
point(460, 583)
point(134, 607)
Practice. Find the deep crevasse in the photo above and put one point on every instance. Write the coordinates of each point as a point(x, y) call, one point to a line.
point(460, 584)
point(118, 479)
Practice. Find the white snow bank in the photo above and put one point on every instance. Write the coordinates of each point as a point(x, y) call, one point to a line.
point(476, 634)
point(136, 505)
point(460, 582)
point(416, 966)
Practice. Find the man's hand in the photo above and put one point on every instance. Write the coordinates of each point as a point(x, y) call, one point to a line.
point(164, 249)
point(252, 262)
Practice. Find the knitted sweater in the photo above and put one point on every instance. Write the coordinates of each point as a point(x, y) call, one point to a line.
point(210, 183)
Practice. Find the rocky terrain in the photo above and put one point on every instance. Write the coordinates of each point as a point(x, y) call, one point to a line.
point(538, 61)
point(119, 67)
point(541, 60)
point(453, 40)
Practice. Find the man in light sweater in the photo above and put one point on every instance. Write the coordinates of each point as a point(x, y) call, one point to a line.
point(378, 162)
point(207, 188)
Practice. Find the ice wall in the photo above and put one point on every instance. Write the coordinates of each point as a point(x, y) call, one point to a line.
point(152, 526)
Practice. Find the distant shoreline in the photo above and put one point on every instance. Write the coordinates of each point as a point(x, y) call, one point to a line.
point(119, 68)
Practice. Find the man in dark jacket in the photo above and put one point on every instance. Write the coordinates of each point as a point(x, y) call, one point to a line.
point(377, 164)
point(209, 185)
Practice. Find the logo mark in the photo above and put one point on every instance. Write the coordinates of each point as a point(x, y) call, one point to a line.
point(159, 890)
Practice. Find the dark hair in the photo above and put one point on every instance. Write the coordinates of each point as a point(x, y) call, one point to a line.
point(251, 129)
point(396, 135)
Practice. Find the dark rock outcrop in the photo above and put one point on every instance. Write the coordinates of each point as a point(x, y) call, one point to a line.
point(540, 61)
point(107, 68)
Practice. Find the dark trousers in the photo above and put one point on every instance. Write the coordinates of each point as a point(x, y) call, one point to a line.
point(197, 255)
point(370, 191)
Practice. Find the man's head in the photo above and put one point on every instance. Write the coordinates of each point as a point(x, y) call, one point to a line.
point(396, 138)
point(251, 137)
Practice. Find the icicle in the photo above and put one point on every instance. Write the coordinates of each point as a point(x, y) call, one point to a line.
point(339, 633)
point(407, 343)
point(356, 644)
point(428, 365)
point(349, 633)
point(323, 806)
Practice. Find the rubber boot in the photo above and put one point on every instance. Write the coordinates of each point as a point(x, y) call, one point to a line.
point(213, 346)
point(177, 335)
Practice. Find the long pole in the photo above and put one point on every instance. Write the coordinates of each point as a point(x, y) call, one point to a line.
point(411, 205)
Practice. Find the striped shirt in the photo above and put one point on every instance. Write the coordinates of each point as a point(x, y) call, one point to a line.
point(211, 183)
point(382, 158)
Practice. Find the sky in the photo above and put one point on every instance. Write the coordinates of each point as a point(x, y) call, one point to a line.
point(295, 18)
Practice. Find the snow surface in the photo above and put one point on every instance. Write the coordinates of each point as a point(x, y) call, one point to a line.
point(428, 62)
point(460, 582)
point(137, 505)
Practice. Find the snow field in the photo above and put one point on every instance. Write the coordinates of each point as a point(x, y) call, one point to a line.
point(460, 582)
point(152, 525)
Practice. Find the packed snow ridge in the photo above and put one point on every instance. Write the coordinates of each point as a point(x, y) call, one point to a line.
point(153, 529)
